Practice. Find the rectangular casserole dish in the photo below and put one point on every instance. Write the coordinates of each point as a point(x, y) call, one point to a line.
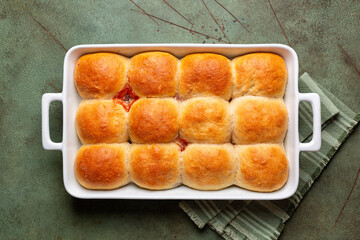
point(71, 100)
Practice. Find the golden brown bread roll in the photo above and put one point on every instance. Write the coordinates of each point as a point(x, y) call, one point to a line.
point(205, 74)
point(259, 74)
point(101, 121)
point(205, 120)
point(258, 120)
point(153, 120)
point(102, 166)
point(208, 167)
point(100, 75)
point(153, 74)
point(155, 166)
point(262, 168)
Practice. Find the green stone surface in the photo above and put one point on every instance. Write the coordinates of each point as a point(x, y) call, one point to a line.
point(33, 41)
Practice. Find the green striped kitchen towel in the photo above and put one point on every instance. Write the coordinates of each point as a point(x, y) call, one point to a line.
point(265, 219)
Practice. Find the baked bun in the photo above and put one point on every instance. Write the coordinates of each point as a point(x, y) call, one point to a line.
point(101, 121)
point(153, 120)
point(258, 120)
point(100, 75)
point(205, 74)
point(155, 166)
point(205, 120)
point(260, 74)
point(153, 74)
point(208, 167)
point(262, 168)
point(102, 166)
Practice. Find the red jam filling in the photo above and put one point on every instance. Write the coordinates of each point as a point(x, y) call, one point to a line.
point(177, 97)
point(126, 97)
point(182, 143)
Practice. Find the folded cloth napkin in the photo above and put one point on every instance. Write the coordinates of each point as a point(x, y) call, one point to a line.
point(265, 219)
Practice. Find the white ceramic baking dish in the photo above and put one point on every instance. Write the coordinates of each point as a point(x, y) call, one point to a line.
point(71, 100)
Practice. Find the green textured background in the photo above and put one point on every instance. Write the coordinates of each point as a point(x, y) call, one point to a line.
point(34, 38)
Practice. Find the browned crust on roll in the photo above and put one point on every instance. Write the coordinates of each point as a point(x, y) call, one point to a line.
point(100, 75)
point(153, 74)
point(155, 166)
point(205, 120)
point(101, 121)
point(262, 168)
point(208, 167)
point(205, 74)
point(153, 120)
point(258, 120)
point(260, 74)
point(102, 166)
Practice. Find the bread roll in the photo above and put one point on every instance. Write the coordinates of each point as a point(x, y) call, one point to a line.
point(155, 166)
point(100, 75)
point(205, 74)
point(208, 167)
point(262, 168)
point(258, 120)
point(153, 120)
point(101, 121)
point(153, 74)
point(259, 74)
point(205, 120)
point(102, 166)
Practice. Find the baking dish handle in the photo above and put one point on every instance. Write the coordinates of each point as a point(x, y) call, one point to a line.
point(315, 143)
point(47, 98)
